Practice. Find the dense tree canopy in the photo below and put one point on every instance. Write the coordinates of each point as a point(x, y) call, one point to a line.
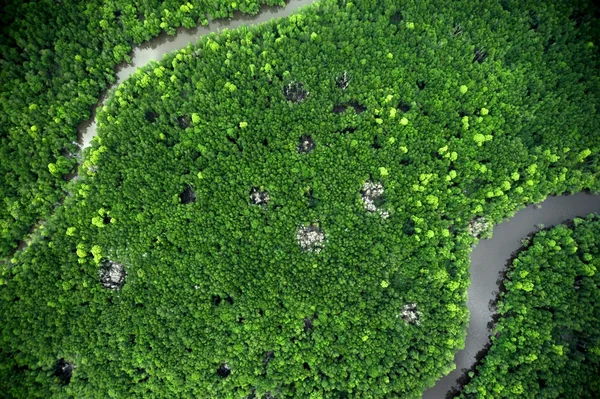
point(547, 342)
point(285, 210)
point(56, 57)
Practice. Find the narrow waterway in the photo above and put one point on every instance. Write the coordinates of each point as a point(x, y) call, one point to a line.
point(155, 49)
point(489, 259)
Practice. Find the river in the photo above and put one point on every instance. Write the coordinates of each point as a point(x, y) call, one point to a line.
point(155, 49)
point(489, 259)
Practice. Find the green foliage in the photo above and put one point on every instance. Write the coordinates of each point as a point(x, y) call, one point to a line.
point(547, 342)
point(214, 280)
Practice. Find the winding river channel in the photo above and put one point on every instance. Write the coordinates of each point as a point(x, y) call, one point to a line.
point(488, 261)
point(155, 49)
point(488, 258)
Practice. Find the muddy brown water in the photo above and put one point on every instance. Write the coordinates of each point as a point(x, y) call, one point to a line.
point(488, 261)
point(488, 258)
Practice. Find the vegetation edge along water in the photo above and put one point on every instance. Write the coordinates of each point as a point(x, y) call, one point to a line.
point(546, 342)
point(489, 261)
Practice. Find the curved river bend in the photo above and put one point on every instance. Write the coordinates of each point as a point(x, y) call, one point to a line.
point(489, 257)
point(488, 261)
point(155, 49)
